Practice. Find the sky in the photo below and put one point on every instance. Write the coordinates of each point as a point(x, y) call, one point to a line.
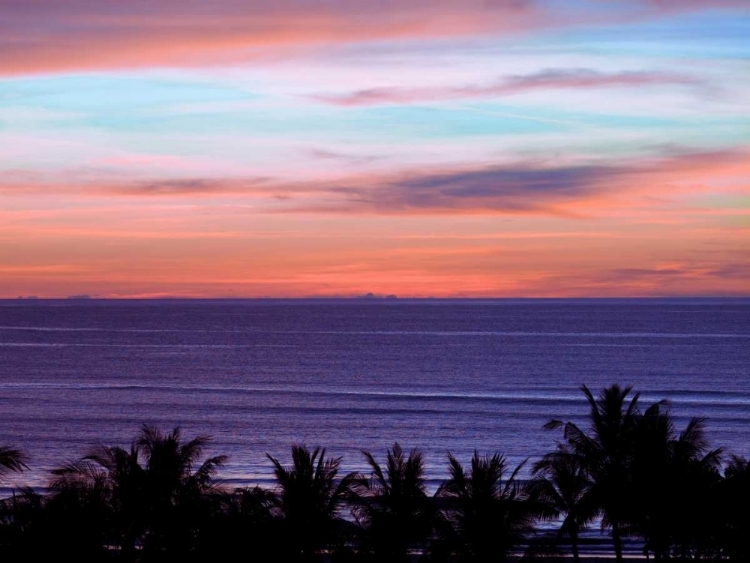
point(297, 148)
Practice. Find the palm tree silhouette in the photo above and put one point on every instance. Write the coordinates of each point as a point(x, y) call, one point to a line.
point(604, 453)
point(671, 476)
point(153, 488)
point(488, 517)
point(115, 476)
point(309, 499)
point(391, 505)
point(174, 487)
point(78, 518)
point(561, 485)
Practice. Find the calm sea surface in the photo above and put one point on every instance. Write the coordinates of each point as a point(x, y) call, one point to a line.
point(356, 374)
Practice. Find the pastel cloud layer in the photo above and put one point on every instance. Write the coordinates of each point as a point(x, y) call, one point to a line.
point(300, 147)
point(46, 35)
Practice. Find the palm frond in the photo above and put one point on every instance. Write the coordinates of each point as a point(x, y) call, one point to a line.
point(12, 459)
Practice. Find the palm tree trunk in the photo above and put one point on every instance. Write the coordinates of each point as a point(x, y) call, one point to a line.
point(617, 540)
point(574, 546)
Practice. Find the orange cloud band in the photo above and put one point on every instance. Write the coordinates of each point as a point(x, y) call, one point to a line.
point(525, 188)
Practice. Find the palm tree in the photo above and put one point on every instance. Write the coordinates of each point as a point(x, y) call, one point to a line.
point(604, 453)
point(79, 517)
point(309, 499)
point(671, 478)
point(391, 505)
point(489, 517)
point(153, 488)
point(170, 465)
point(115, 476)
point(560, 484)
point(175, 489)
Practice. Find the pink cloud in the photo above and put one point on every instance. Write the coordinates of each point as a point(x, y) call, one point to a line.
point(47, 35)
point(51, 36)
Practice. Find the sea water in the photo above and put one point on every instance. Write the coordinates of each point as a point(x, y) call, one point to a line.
point(352, 375)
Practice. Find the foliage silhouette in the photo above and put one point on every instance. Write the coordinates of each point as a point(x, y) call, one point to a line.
point(152, 489)
point(11, 460)
point(489, 516)
point(604, 453)
point(733, 499)
point(561, 485)
point(391, 504)
point(238, 522)
point(309, 500)
point(671, 477)
point(159, 500)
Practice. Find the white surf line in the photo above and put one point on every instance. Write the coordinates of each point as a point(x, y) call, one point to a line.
point(524, 333)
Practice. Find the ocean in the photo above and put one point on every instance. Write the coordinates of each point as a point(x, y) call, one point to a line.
point(357, 374)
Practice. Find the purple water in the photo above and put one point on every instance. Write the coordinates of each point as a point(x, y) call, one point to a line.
point(358, 374)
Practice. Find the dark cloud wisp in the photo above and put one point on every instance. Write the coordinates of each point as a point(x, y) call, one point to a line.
point(552, 79)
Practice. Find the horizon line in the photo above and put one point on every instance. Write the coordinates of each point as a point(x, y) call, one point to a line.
point(377, 298)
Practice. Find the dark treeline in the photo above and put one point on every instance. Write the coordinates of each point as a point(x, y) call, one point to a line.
point(629, 471)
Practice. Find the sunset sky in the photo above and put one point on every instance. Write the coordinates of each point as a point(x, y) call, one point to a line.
point(334, 148)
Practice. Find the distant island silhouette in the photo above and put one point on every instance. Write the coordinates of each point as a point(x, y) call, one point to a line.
point(376, 296)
